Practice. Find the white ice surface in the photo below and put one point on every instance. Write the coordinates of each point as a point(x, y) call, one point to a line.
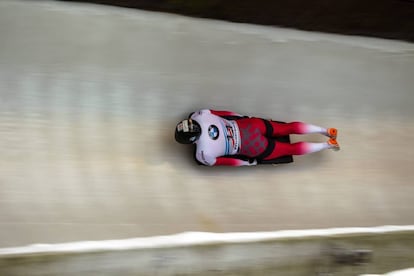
point(90, 95)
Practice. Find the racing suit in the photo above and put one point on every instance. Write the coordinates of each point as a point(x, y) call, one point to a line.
point(227, 136)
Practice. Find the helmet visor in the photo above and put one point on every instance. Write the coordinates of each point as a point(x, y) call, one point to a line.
point(188, 126)
point(187, 131)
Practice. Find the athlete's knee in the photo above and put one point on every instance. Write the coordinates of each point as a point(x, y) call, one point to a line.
point(282, 149)
point(298, 148)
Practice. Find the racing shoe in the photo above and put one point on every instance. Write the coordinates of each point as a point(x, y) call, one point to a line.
point(333, 144)
point(332, 133)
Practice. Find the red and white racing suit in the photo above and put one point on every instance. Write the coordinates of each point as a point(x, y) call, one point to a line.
point(224, 140)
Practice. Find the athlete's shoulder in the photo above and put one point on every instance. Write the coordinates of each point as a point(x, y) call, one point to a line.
point(204, 158)
point(200, 113)
point(205, 115)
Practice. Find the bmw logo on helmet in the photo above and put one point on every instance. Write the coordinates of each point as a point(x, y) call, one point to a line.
point(213, 132)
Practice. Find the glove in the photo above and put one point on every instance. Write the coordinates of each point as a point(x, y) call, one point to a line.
point(252, 162)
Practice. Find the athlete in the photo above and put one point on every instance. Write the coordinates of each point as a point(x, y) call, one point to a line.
point(226, 138)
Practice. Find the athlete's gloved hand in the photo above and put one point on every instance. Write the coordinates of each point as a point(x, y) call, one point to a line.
point(252, 162)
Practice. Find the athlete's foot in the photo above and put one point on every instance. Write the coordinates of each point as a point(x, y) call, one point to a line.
point(333, 144)
point(332, 133)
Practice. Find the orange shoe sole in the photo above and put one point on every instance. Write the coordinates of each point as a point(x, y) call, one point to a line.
point(332, 133)
point(334, 144)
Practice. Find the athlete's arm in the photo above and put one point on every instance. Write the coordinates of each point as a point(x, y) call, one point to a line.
point(208, 160)
point(220, 113)
point(234, 162)
point(223, 113)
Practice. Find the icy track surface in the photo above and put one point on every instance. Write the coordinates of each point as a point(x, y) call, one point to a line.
point(90, 96)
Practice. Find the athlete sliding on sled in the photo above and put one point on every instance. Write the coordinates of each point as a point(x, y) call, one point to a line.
point(230, 139)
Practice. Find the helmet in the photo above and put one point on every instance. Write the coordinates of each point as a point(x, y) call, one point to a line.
point(187, 132)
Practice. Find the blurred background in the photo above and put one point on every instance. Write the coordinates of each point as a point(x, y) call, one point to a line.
point(90, 95)
point(391, 19)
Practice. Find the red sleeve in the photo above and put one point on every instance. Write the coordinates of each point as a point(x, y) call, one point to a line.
point(225, 113)
point(228, 161)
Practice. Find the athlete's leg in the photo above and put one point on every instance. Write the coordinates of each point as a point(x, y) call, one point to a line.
point(253, 132)
point(300, 148)
point(280, 129)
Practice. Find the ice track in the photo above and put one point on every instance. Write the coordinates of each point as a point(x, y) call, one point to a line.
point(90, 95)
